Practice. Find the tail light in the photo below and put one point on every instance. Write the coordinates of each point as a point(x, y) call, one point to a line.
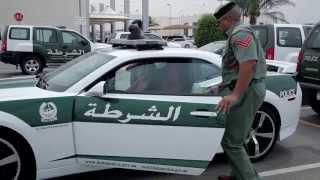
point(270, 53)
point(4, 46)
point(300, 59)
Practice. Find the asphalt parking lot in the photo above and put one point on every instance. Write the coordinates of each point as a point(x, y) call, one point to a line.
point(296, 158)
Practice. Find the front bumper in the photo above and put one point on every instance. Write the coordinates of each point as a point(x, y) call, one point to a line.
point(8, 57)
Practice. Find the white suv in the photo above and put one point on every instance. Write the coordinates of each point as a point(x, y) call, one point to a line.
point(282, 42)
point(36, 47)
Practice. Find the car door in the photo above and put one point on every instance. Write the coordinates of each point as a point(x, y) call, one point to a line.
point(47, 43)
point(74, 45)
point(288, 43)
point(155, 115)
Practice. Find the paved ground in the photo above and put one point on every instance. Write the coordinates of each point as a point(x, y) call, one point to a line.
point(296, 158)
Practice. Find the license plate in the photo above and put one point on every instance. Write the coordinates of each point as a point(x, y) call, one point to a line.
point(318, 96)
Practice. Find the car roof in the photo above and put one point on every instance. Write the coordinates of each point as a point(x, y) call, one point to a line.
point(166, 52)
point(32, 26)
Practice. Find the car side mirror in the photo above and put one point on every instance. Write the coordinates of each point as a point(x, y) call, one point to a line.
point(84, 43)
point(98, 90)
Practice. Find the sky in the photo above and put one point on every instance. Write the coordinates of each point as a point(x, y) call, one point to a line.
point(304, 11)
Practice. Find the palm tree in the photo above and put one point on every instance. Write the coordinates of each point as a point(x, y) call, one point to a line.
point(254, 8)
point(153, 21)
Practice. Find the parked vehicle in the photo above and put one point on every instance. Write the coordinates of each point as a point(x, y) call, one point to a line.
point(282, 42)
point(147, 35)
point(183, 42)
point(35, 47)
point(308, 69)
point(218, 47)
point(143, 110)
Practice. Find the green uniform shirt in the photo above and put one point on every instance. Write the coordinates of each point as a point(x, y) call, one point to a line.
point(242, 45)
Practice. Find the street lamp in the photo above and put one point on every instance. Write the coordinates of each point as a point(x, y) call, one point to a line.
point(181, 17)
point(170, 12)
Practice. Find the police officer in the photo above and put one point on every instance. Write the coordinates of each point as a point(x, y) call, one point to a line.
point(243, 88)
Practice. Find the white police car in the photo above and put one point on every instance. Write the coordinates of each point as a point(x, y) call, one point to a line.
point(144, 110)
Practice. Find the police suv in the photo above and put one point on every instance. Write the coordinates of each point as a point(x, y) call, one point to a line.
point(35, 47)
point(134, 106)
point(308, 69)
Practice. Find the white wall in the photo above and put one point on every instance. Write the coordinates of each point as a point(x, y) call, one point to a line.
point(40, 12)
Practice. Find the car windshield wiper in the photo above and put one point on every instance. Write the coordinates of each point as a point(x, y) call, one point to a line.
point(42, 82)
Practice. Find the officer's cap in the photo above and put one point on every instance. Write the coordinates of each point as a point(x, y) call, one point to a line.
point(224, 9)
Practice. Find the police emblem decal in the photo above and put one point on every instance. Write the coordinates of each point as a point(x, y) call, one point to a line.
point(48, 112)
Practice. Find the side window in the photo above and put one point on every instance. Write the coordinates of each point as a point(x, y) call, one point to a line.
point(152, 36)
point(19, 34)
point(124, 36)
point(71, 38)
point(46, 36)
point(289, 37)
point(68, 38)
point(314, 39)
point(181, 77)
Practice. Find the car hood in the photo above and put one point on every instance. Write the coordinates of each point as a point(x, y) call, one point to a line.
point(17, 82)
point(97, 46)
point(23, 88)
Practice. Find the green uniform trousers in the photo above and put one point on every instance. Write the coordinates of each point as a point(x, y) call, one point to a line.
point(238, 124)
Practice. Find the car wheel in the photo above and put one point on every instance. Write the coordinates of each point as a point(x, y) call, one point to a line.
point(263, 134)
point(187, 46)
point(15, 161)
point(315, 101)
point(31, 65)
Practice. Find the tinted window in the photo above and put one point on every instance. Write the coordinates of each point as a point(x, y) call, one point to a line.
point(124, 36)
point(152, 36)
point(289, 37)
point(314, 39)
point(46, 35)
point(19, 33)
point(68, 38)
point(262, 34)
point(163, 77)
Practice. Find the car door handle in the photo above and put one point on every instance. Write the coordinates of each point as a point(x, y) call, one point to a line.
point(203, 114)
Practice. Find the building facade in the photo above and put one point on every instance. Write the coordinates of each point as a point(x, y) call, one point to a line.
point(70, 13)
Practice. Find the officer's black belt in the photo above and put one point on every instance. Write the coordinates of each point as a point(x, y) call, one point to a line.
point(233, 83)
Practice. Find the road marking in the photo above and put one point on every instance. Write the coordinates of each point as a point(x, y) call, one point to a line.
point(290, 170)
point(309, 124)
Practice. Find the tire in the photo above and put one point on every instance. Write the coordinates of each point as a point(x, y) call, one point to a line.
point(31, 65)
point(16, 159)
point(263, 135)
point(315, 101)
point(187, 46)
